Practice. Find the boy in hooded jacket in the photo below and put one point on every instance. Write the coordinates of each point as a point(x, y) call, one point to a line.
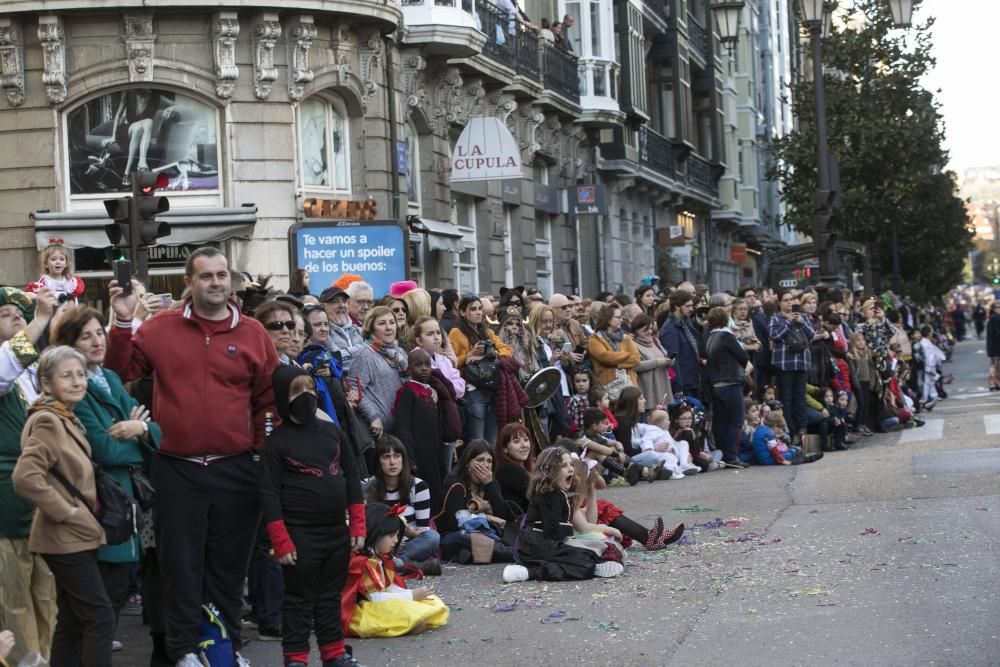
point(309, 487)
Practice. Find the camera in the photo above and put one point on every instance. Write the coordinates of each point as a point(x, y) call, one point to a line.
point(63, 298)
point(489, 350)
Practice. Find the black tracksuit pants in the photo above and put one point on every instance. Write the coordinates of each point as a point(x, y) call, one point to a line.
point(313, 586)
point(206, 519)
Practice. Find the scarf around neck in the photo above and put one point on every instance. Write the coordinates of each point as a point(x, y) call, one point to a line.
point(392, 353)
point(614, 338)
point(48, 404)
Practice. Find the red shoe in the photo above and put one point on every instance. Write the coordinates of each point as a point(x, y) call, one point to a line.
point(670, 536)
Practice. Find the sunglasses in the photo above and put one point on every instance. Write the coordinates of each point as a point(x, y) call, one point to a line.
point(278, 326)
point(399, 309)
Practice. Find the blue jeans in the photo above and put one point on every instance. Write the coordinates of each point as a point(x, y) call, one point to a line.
point(421, 547)
point(727, 419)
point(267, 583)
point(792, 392)
point(645, 459)
point(452, 543)
point(480, 417)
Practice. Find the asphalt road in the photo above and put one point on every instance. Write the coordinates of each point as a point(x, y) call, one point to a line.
point(888, 554)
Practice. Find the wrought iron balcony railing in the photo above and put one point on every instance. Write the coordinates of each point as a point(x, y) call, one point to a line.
point(560, 71)
point(656, 152)
point(701, 174)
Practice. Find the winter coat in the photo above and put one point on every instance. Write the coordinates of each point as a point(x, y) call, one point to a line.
point(993, 336)
point(606, 361)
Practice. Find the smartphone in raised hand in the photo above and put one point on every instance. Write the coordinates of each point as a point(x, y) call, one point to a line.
point(123, 274)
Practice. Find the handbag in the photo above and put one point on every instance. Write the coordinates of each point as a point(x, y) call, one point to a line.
point(118, 514)
point(618, 385)
point(796, 340)
point(142, 488)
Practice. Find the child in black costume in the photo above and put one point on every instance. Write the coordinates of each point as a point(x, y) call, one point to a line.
point(309, 485)
point(418, 425)
point(542, 547)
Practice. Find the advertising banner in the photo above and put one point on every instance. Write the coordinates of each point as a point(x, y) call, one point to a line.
point(327, 249)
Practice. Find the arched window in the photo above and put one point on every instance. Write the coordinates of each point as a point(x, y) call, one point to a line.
point(323, 145)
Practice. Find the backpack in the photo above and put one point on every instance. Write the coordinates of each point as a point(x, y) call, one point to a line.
point(796, 341)
point(215, 647)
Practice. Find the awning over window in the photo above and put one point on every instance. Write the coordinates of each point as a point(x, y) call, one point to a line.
point(441, 236)
point(195, 226)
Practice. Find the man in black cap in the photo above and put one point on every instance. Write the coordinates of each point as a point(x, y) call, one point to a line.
point(345, 337)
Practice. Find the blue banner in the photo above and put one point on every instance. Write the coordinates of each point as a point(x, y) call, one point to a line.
point(374, 251)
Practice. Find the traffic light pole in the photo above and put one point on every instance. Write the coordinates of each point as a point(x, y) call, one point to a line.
point(823, 234)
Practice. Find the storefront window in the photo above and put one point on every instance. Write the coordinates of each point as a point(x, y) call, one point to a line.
point(323, 145)
point(142, 129)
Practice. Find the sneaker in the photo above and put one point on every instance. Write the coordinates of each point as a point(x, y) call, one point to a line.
point(691, 470)
point(115, 646)
point(929, 405)
point(343, 660)
point(190, 660)
point(608, 569)
point(241, 661)
point(268, 634)
point(250, 620)
point(677, 475)
point(735, 463)
point(133, 606)
point(515, 573)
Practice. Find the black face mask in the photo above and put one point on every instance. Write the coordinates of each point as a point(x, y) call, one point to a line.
point(302, 409)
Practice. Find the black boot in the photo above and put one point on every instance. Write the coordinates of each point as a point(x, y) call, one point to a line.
point(502, 553)
point(159, 657)
point(611, 465)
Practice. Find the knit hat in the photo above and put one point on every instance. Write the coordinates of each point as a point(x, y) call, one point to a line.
point(346, 280)
point(400, 288)
point(15, 297)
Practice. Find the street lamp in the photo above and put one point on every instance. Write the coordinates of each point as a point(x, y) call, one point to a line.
point(814, 14)
point(902, 12)
point(727, 17)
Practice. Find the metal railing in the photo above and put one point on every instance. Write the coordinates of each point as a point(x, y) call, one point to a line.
point(528, 57)
point(656, 152)
point(700, 174)
point(697, 35)
point(561, 71)
point(497, 26)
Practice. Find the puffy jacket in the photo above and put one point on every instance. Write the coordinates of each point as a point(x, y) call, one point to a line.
point(212, 382)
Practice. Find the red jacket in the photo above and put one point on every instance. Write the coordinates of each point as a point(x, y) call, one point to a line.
point(210, 391)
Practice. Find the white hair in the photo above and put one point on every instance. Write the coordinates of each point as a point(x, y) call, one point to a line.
point(353, 289)
point(53, 357)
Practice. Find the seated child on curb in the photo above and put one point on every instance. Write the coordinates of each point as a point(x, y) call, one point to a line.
point(751, 420)
point(609, 453)
point(546, 547)
point(591, 512)
point(660, 448)
point(586, 393)
point(768, 447)
point(376, 602)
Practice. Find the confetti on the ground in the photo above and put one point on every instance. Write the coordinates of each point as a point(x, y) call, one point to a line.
point(693, 509)
point(938, 566)
point(913, 540)
point(808, 591)
point(558, 617)
point(457, 640)
point(505, 606)
point(982, 509)
point(609, 626)
point(870, 531)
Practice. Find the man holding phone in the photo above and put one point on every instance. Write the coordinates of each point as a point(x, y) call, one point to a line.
point(212, 390)
point(790, 334)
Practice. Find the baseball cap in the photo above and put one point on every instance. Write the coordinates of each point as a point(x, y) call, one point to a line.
point(331, 293)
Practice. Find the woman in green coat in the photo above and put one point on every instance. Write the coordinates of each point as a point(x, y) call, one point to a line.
point(118, 429)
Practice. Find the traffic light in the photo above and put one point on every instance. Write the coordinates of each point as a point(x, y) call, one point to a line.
point(118, 210)
point(146, 205)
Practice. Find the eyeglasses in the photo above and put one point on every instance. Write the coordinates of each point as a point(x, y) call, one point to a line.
point(278, 326)
point(566, 307)
point(364, 302)
point(400, 309)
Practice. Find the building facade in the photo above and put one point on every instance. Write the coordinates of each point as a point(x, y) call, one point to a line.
point(256, 114)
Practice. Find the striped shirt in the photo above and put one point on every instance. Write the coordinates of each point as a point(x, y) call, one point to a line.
point(419, 509)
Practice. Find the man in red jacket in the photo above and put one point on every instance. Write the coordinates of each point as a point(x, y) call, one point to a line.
point(211, 390)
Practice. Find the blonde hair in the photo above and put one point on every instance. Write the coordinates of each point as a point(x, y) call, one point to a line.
point(657, 416)
point(547, 465)
point(372, 315)
point(52, 249)
point(775, 420)
point(583, 485)
point(418, 304)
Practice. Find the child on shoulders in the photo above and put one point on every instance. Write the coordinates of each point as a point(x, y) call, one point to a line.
point(57, 275)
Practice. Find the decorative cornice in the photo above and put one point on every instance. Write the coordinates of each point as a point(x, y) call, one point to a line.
point(266, 31)
point(471, 104)
point(550, 137)
point(225, 32)
point(372, 52)
point(412, 68)
point(12, 60)
point(573, 136)
point(140, 45)
point(446, 102)
point(500, 105)
point(524, 123)
point(301, 33)
point(52, 36)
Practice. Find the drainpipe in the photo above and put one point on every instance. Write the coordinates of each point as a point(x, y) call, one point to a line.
point(390, 103)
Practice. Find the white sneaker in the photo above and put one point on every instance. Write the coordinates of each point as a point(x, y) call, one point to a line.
point(241, 661)
point(693, 470)
point(514, 573)
point(608, 569)
point(116, 646)
point(190, 660)
point(677, 475)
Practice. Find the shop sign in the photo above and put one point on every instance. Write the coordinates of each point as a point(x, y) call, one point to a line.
point(589, 200)
point(682, 256)
point(510, 192)
point(738, 253)
point(374, 250)
point(548, 199)
point(485, 151)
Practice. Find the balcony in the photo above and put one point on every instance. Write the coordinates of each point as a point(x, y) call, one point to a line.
point(701, 174)
point(560, 72)
point(500, 32)
point(443, 27)
point(698, 38)
point(656, 152)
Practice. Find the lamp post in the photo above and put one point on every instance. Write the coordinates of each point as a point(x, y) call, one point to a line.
point(902, 12)
point(814, 15)
point(727, 18)
point(902, 15)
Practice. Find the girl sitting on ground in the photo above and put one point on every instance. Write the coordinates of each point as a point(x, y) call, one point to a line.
point(545, 546)
point(768, 446)
point(586, 393)
point(375, 601)
point(751, 420)
point(394, 483)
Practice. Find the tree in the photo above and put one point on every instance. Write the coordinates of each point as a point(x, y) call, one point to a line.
point(887, 133)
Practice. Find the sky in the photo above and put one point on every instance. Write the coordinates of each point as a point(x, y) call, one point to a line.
point(965, 46)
